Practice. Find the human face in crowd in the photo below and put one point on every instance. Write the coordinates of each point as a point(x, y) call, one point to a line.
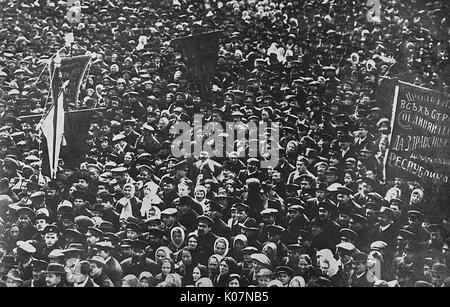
point(128, 158)
point(95, 270)
point(131, 234)
point(284, 278)
point(256, 266)
point(11, 283)
point(324, 213)
point(79, 203)
point(263, 281)
point(415, 198)
point(203, 229)
point(91, 239)
point(168, 220)
point(370, 174)
point(224, 268)
point(52, 280)
point(127, 191)
point(234, 283)
point(77, 277)
point(303, 265)
point(177, 237)
point(126, 251)
point(324, 267)
point(144, 283)
point(241, 215)
point(166, 268)
point(168, 187)
point(24, 221)
point(220, 248)
point(300, 166)
point(359, 266)
point(348, 178)
point(192, 242)
point(196, 274)
point(268, 219)
point(186, 257)
point(102, 253)
point(160, 255)
point(200, 195)
point(437, 278)
point(40, 224)
point(14, 232)
point(213, 265)
point(50, 239)
point(183, 190)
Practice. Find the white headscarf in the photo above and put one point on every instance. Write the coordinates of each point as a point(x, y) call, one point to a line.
point(125, 202)
point(150, 200)
point(227, 245)
point(327, 255)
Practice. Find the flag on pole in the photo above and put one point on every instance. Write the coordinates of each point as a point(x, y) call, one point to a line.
point(53, 129)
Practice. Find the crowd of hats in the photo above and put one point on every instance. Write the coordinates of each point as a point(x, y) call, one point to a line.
point(312, 67)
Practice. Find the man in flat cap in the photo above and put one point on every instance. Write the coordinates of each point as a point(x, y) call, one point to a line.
point(38, 279)
point(206, 238)
point(113, 267)
point(359, 277)
point(98, 275)
point(51, 238)
point(25, 221)
point(220, 228)
point(81, 276)
point(385, 229)
point(138, 262)
point(93, 236)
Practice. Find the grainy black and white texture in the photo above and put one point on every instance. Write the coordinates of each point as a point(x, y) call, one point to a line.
point(125, 211)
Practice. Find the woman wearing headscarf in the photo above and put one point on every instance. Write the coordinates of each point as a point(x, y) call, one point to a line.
point(150, 202)
point(161, 253)
point(200, 196)
point(239, 242)
point(305, 267)
point(129, 281)
point(177, 237)
point(145, 280)
point(186, 265)
point(416, 200)
point(198, 272)
point(237, 280)
point(129, 205)
point(192, 242)
point(213, 266)
point(167, 267)
point(221, 246)
point(329, 266)
point(227, 267)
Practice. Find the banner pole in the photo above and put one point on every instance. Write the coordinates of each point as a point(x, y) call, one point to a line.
point(394, 109)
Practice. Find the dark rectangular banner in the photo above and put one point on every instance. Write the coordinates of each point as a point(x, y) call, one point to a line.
point(200, 53)
point(419, 147)
point(73, 69)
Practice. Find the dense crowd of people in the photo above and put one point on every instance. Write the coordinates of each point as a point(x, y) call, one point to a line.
point(132, 214)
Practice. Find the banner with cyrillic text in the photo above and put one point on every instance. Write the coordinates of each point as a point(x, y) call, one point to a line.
point(419, 147)
point(73, 69)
